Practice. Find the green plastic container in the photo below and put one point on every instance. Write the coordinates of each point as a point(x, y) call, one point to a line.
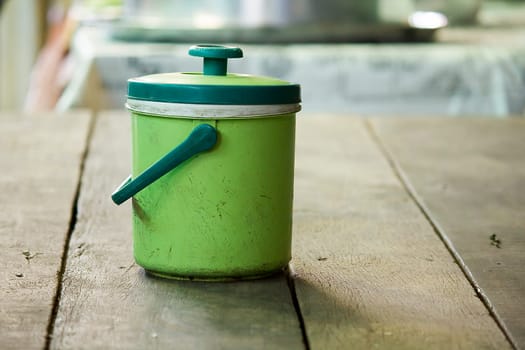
point(213, 168)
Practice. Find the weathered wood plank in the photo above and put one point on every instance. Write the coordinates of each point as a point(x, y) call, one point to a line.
point(371, 272)
point(40, 161)
point(470, 175)
point(108, 302)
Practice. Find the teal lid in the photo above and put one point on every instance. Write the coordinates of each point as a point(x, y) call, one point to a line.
point(214, 85)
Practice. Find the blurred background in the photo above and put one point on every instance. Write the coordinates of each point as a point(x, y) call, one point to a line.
point(380, 57)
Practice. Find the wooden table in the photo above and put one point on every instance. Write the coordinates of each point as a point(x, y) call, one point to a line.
point(392, 246)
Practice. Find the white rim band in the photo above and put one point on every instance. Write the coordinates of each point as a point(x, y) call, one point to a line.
point(183, 110)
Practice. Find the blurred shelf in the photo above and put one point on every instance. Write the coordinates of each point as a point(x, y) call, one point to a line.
point(466, 71)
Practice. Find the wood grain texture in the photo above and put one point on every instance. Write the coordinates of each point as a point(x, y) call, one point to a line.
point(370, 270)
point(470, 174)
point(40, 161)
point(109, 303)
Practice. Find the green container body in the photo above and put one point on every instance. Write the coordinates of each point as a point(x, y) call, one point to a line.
point(223, 214)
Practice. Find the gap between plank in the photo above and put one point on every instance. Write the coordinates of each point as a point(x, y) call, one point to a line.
point(293, 293)
point(71, 228)
point(440, 232)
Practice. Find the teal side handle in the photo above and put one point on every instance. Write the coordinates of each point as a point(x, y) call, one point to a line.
point(202, 138)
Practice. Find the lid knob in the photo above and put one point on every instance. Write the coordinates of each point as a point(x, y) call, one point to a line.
point(215, 57)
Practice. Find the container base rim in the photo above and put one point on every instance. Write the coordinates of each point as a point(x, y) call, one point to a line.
point(218, 278)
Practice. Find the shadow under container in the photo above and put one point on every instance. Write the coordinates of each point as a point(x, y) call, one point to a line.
point(213, 162)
